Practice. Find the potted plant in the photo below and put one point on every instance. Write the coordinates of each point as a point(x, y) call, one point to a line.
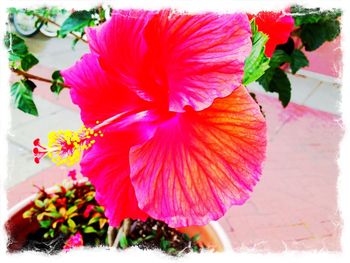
point(51, 219)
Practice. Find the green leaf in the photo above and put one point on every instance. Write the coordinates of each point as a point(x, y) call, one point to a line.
point(303, 15)
point(102, 222)
point(45, 223)
point(15, 44)
point(64, 229)
point(28, 61)
point(171, 250)
point(279, 57)
point(276, 80)
point(22, 93)
point(56, 75)
point(89, 198)
point(39, 203)
point(149, 237)
point(12, 10)
point(51, 207)
point(187, 237)
point(74, 42)
point(287, 47)
point(56, 88)
point(52, 233)
point(298, 60)
point(123, 242)
point(57, 81)
point(93, 220)
point(99, 209)
point(256, 63)
point(53, 214)
point(314, 35)
point(196, 237)
point(89, 229)
point(27, 214)
point(71, 224)
point(137, 241)
point(164, 244)
point(72, 209)
point(77, 21)
point(70, 193)
point(195, 249)
point(40, 216)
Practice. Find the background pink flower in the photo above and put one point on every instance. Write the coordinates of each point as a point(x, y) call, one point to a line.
point(277, 25)
point(183, 140)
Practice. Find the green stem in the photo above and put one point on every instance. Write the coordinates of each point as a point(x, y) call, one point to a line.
point(114, 235)
point(100, 10)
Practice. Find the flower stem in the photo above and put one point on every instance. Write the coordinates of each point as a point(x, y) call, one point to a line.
point(35, 77)
point(46, 19)
point(114, 235)
point(111, 235)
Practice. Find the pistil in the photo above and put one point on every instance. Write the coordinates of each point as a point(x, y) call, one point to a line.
point(66, 147)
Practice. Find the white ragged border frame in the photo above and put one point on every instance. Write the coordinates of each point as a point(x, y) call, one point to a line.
point(92, 255)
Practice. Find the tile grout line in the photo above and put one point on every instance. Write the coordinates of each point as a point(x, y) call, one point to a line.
point(277, 131)
point(311, 93)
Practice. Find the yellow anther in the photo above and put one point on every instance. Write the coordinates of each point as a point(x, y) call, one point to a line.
point(66, 147)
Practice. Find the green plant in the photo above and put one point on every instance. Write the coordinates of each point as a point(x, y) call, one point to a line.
point(70, 209)
point(313, 27)
point(21, 60)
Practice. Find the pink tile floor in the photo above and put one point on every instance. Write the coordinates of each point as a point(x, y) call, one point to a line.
point(294, 206)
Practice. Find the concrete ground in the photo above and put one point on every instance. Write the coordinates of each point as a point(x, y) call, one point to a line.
point(294, 206)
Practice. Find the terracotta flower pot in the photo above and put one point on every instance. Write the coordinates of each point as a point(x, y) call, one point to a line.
point(18, 228)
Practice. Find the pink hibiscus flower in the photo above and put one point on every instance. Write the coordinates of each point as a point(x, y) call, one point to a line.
point(182, 139)
point(277, 25)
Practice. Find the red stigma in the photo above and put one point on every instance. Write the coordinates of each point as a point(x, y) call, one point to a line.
point(36, 142)
point(38, 152)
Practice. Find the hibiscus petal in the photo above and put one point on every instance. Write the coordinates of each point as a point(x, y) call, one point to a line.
point(98, 94)
point(107, 167)
point(197, 57)
point(120, 45)
point(198, 164)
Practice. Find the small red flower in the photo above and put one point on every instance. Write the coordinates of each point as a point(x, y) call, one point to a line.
point(61, 201)
point(72, 174)
point(88, 210)
point(73, 242)
point(277, 25)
